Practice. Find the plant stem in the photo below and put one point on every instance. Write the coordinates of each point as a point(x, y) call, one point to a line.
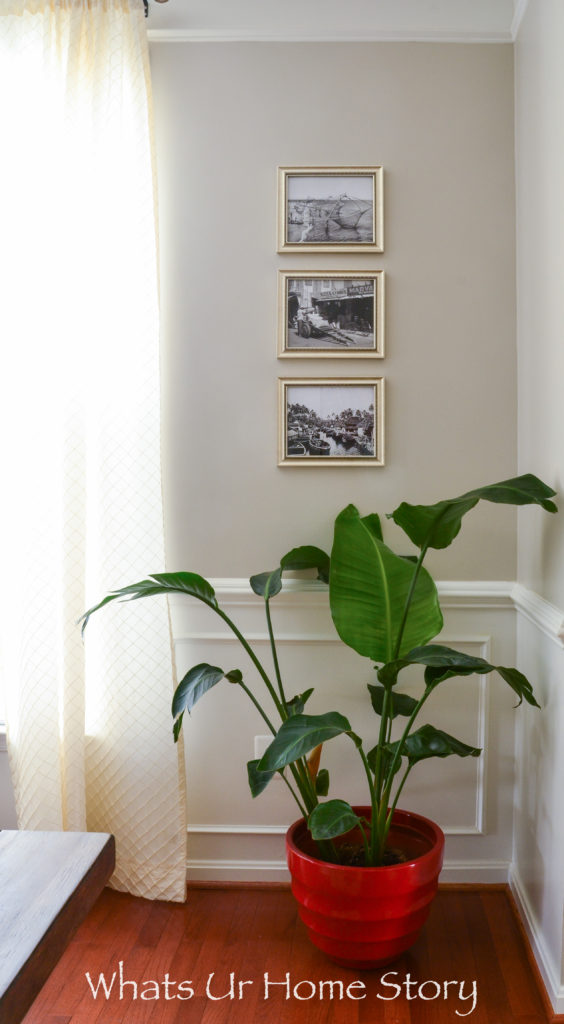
point(408, 601)
point(382, 738)
point(399, 749)
point(303, 811)
point(262, 713)
point(307, 781)
point(300, 766)
point(374, 804)
point(297, 779)
point(280, 709)
point(367, 858)
point(397, 796)
point(274, 654)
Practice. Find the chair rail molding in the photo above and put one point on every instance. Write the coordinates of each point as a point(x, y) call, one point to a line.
point(544, 615)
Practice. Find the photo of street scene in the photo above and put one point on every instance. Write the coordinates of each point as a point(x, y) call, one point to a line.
point(330, 421)
point(331, 314)
point(330, 209)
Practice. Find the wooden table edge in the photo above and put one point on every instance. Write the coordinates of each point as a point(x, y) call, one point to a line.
point(21, 992)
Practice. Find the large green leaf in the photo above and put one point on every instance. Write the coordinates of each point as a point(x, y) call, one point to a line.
point(160, 583)
point(333, 818)
point(443, 663)
point(368, 590)
point(193, 685)
point(307, 557)
point(300, 734)
point(296, 705)
point(258, 781)
point(398, 704)
point(268, 584)
point(322, 782)
point(373, 523)
point(436, 526)
point(431, 742)
point(386, 760)
point(518, 683)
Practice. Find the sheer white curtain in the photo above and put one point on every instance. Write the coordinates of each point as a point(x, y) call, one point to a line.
point(89, 726)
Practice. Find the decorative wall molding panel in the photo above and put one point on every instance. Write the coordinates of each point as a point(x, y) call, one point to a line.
point(234, 836)
point(537, 878)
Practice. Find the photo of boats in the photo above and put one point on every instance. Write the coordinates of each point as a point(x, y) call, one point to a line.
point(332, 421)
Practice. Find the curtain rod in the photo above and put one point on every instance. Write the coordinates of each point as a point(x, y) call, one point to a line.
point(146, 5)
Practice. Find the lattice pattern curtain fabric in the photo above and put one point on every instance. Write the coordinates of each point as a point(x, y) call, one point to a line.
point(89, 727)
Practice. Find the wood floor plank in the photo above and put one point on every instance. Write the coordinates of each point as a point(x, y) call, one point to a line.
point(524, 1000)
point(494, 992)
point(158, 942)
point(470, 935)
point(305, 962)
point(266, 951)
point(451, 945)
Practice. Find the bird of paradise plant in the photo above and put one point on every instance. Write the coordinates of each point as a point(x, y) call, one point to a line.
point(386, 607)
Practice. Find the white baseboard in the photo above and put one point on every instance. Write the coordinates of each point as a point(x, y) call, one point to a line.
point(465, 872)
point(237, 871)
point(548, 969)
point(475, 872)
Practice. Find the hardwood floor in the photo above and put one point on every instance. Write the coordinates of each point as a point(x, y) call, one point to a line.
point(234, 949)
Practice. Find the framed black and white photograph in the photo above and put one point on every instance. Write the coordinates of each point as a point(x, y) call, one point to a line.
point(331, 421)
point(333, 209)
point(332, 314)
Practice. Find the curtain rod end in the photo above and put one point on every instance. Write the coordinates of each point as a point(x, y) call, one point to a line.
point(146, 5)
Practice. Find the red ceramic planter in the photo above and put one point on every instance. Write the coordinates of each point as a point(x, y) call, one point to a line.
point(367, 917)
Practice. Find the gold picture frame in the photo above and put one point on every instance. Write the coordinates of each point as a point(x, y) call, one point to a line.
point(331, 421)
point(330, 209)
point(331, 314)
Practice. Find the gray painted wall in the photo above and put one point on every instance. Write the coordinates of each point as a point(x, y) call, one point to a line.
point(439, 118)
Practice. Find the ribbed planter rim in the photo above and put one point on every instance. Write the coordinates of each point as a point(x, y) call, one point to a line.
point(427, 823)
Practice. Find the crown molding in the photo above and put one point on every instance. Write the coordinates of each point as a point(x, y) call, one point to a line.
point(270, 36)
point(519, 14)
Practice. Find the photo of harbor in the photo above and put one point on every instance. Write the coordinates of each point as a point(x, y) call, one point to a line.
point(330, 421)
point(330, 209)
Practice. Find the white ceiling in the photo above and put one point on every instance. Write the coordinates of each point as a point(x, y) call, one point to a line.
point(441, 20)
